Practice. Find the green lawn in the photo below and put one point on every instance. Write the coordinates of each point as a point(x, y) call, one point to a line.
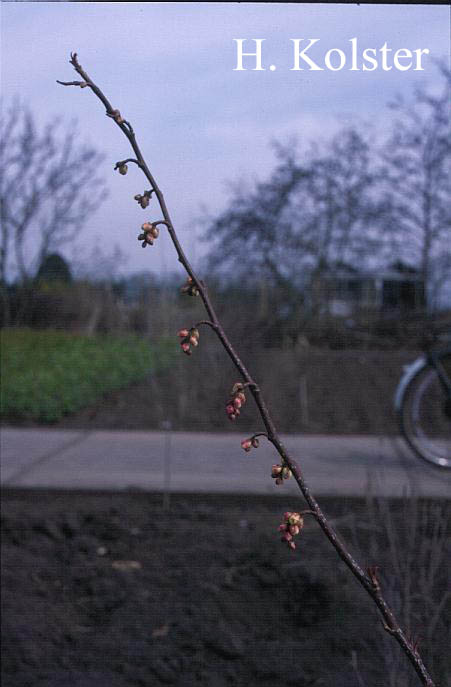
point(47, 374)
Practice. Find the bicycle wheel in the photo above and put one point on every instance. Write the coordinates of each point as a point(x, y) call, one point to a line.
point(426, 414)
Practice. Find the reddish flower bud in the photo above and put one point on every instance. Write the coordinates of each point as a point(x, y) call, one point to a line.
point(194, 332)
point(193, 341)
point(183, 333)
point(147, 226)
point(291, 527)
point(230, 410)
point(241, 396)
point(246, 444)
point(237, 403)
point(155, 232)
point(185, 348)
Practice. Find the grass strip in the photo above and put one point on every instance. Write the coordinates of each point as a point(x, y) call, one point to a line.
point(48, 374)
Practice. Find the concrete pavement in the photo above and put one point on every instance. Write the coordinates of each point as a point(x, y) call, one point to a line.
point(200, 462)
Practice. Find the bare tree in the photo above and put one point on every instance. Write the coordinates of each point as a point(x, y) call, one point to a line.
point(48, 189)
point(417, 173)
point(256, 224)
point(305, 218)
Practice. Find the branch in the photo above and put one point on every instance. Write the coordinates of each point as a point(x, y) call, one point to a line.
point(367, 580)
point(121, 163)
point(207, 323)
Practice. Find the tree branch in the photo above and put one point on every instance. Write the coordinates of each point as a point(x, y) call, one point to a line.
point(368, 580)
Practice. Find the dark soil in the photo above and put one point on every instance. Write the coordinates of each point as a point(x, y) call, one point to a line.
point(110, 590)
point(316, 391)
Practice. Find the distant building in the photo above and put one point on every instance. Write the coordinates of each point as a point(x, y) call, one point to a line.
point(343, 291)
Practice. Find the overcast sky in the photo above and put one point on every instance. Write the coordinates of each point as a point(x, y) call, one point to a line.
point(169, 68)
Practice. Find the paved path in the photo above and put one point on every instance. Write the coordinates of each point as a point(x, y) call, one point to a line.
point(200, 462)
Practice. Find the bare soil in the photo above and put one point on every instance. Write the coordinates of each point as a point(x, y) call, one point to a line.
point(114, 590)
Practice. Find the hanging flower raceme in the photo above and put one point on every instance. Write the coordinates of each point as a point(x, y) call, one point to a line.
point(236, 400)
point(291, 526)
point(190, 288)
point(188, 338)
point(144, 199)
point(149, 233)
point(248, 444)
point(280, 472)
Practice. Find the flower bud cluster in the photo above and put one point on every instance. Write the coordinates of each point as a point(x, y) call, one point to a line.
point(236, 400)
point(291, 526)
point(280, 472)
point(149, 233)
point(144, 199)
point(190, 288)
point(188, 338)
point(247, 444)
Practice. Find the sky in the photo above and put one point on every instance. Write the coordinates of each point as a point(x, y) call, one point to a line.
point(170, 68)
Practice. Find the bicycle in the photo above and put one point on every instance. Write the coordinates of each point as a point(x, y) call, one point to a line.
point(423, 405)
